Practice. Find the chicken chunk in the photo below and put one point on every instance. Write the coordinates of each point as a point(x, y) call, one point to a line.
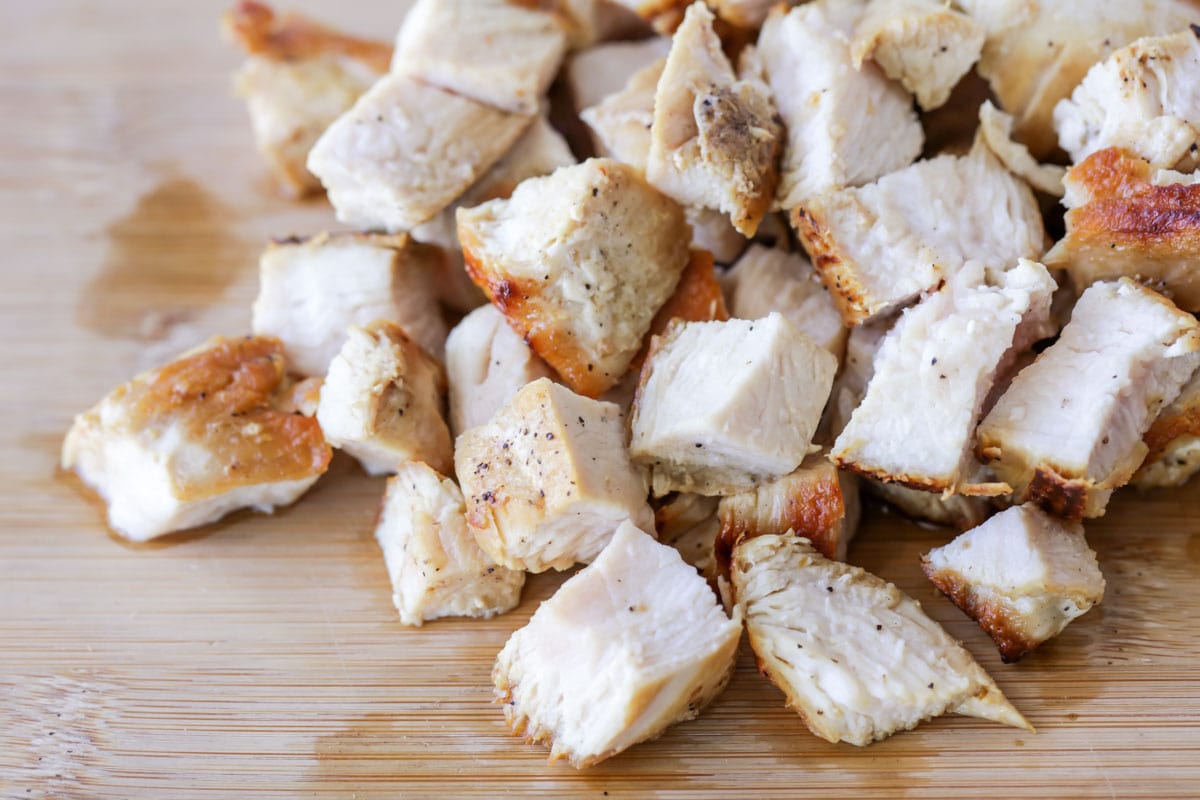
point(589, 22)
point(1173, 442)
point(958, 511)
point(724, 406)
point(621, 121)
point(880, 246)
point(298, 78)
point(184, 445)
point(845, 126)
point(698, 297)
point(1125, 220)
point(436, 568)
point(749, 14)
point(663, 15)
point(1023, 576)
point(1069, 429)
point(943, 357)
point(606, 69)
point(995, 129)
point(382, 401)
point(406, 150)
point(579, 262)
point(858, 365)
point(712, 231)
point(486, 364)
point(714, 142)
point(688, 522)
point(548, 479)
point(627, 647)
point(311, 290)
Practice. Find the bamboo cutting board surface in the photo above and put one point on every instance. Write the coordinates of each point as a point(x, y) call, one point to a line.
point(262, 656)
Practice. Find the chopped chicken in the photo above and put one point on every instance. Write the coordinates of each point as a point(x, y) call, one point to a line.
point(1069, 429)
point(712, 231)
point(714, 142)
point(548, 479)
point(503, 53)
point(724, 406)
point(942, 358)
point(766, 279)
point(598, 72)
point(311, 290)
point(406, 150)
point(857, 658)
point(1173, 442)
point(924, 44)
point(858, 365)
point(995, 128)
point(437, 569)
point(186, 444)
point(1125, 220)
point(664, 15)
point(621, 121)
point(1023, 576)
point(579, 262)
point(591, 21)
point(382, 401)
point(299, 77)
point(749, 14)
point(688, 522)
point(697, 298)
point(486, 364)
point(845, 126)
point(627, 647)
point(957, 511)
point(880, 246)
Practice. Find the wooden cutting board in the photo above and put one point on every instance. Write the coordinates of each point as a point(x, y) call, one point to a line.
point(262, 656)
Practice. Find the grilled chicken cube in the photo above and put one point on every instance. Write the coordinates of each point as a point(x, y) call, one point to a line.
point(606, 69)
point(648, 645)
point(942, 358)
point(436, 568)
point(1173, 441)
point(880, 246)
point(845, 126)
point(723, 406)
point(1069, 429)
point(298, 78)
point(856, 657)
point(186, 444)
point(579, 262)
point(621, 121)
point(312, 290)
point(714, 142)
point(688, 522)
point(924, 44)
point(406, 150)
point(486, 364)
point(1125, 219)
point(995, 129)
point(1023, 576)
point(548, 479)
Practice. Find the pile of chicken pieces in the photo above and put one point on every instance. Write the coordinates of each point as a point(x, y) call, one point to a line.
point(808, 258)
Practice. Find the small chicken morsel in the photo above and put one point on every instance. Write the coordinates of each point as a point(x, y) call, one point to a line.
point(1023, 576)
point(382, 401)
point(958, 511)
point(591, 21)
point(606, 69)
point(724, 406)
point(857, 658)
point(712, 231)
point(1173, 442)
point(880, 246)
point(407, 150)
point(747, 14)
point(845, 126)
point(312, 290)
point(995, 129)
point(627, 647)
point(437, 569)
point(688, 522)
point(579, 262)
point(186, 444)
point(1125, 219)
point(663, 15)
point(858, 365)
point(548, 479)
point(299, 77)
point(924, 44)
point(621, 121)
point(942, 358)
point(1069, 429)
point(715, 141)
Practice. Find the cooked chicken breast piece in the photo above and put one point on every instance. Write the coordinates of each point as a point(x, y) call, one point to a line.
point(548, 479)
point(995, 129)
point(187, 443)
point(845, 126)
point(924, 44)
point(627, 647)
point(698, 297)
point(1069, 429)
point(436, 568)
point(1023, 576)
point(621, 121)
point(767, 279)
point(749, 14)
point(606, 69)
point(858, 365)
point(1126, 220)
point(942, 358)
point(724, 406)
point(880, 246)
point(589, 22)
point(579, 262)
point(503, 53)
point(1173, 441)
point(712, 231)
point(299, 76)
point(957, 511)
point(688, 522)
point(663, 15)
point(382, 401)
point(406, 150)
point(312, 290)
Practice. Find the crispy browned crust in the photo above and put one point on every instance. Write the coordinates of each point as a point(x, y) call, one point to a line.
point(826, 257)
point(1066, 497)
point(910, 481)
point(992, 617)
point(255, 27)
